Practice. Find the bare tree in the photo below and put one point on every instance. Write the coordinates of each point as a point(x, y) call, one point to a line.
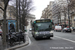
point(71, 9)
point(24, 8)
point(65, 11)
point(4, 20)
point(12, 11)
point(57, 12)
point(72, 5)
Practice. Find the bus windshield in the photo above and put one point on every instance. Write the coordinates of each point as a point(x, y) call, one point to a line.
point(43, 26)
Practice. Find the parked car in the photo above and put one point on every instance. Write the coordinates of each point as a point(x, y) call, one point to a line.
point(67, 30)
point(72, 28)
point(58, 28)
point(0, 32)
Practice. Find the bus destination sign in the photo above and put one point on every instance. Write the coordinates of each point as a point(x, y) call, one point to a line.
point(39, 21)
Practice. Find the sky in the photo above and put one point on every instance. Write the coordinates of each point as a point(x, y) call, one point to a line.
point(39, 6)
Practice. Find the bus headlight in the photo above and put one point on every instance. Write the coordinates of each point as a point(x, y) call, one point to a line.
point(51, 31)
point(36, 33)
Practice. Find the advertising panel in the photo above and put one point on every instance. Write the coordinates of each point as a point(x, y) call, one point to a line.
point(11, 25)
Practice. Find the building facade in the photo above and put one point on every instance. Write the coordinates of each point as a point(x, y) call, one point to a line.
point(47, 12)
point(58, 12)
point(72, 12)
point(9, 12)
point(1, 12)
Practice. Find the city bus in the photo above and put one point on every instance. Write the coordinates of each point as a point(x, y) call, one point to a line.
point(42, 28)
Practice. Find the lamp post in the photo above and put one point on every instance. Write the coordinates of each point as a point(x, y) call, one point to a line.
point(68, 13)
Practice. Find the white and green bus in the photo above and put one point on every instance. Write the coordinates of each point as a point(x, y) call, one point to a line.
point(42, 28)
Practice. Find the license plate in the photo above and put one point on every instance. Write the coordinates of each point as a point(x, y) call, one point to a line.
point(44, 36)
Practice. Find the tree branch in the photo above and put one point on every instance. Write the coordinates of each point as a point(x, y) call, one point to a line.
point(6, 4)
point(1, 8)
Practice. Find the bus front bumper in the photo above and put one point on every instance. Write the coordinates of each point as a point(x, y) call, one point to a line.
point(44, 35)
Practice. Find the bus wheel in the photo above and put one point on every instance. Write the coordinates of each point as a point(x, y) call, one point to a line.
point(35, 38)
point(48, 37)
point(33, 35)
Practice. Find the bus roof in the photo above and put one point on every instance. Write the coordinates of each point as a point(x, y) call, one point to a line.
point(42, 20)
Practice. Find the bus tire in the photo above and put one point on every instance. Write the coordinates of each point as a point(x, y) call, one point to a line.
point(35, 38)
point(33, 35)
point(48, 37)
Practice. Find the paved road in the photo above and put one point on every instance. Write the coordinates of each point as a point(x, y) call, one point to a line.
point(60, 41)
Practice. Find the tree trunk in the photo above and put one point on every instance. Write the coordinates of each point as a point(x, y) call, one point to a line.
point(17, 16)
point(65, 18)
point(4, 29)
point(23, 22)
point(60, 17)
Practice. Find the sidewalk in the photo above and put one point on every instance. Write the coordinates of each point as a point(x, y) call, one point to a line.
point(1, 47)
point(18, 45)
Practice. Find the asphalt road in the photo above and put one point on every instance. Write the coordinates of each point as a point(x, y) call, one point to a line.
point(60, 41)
